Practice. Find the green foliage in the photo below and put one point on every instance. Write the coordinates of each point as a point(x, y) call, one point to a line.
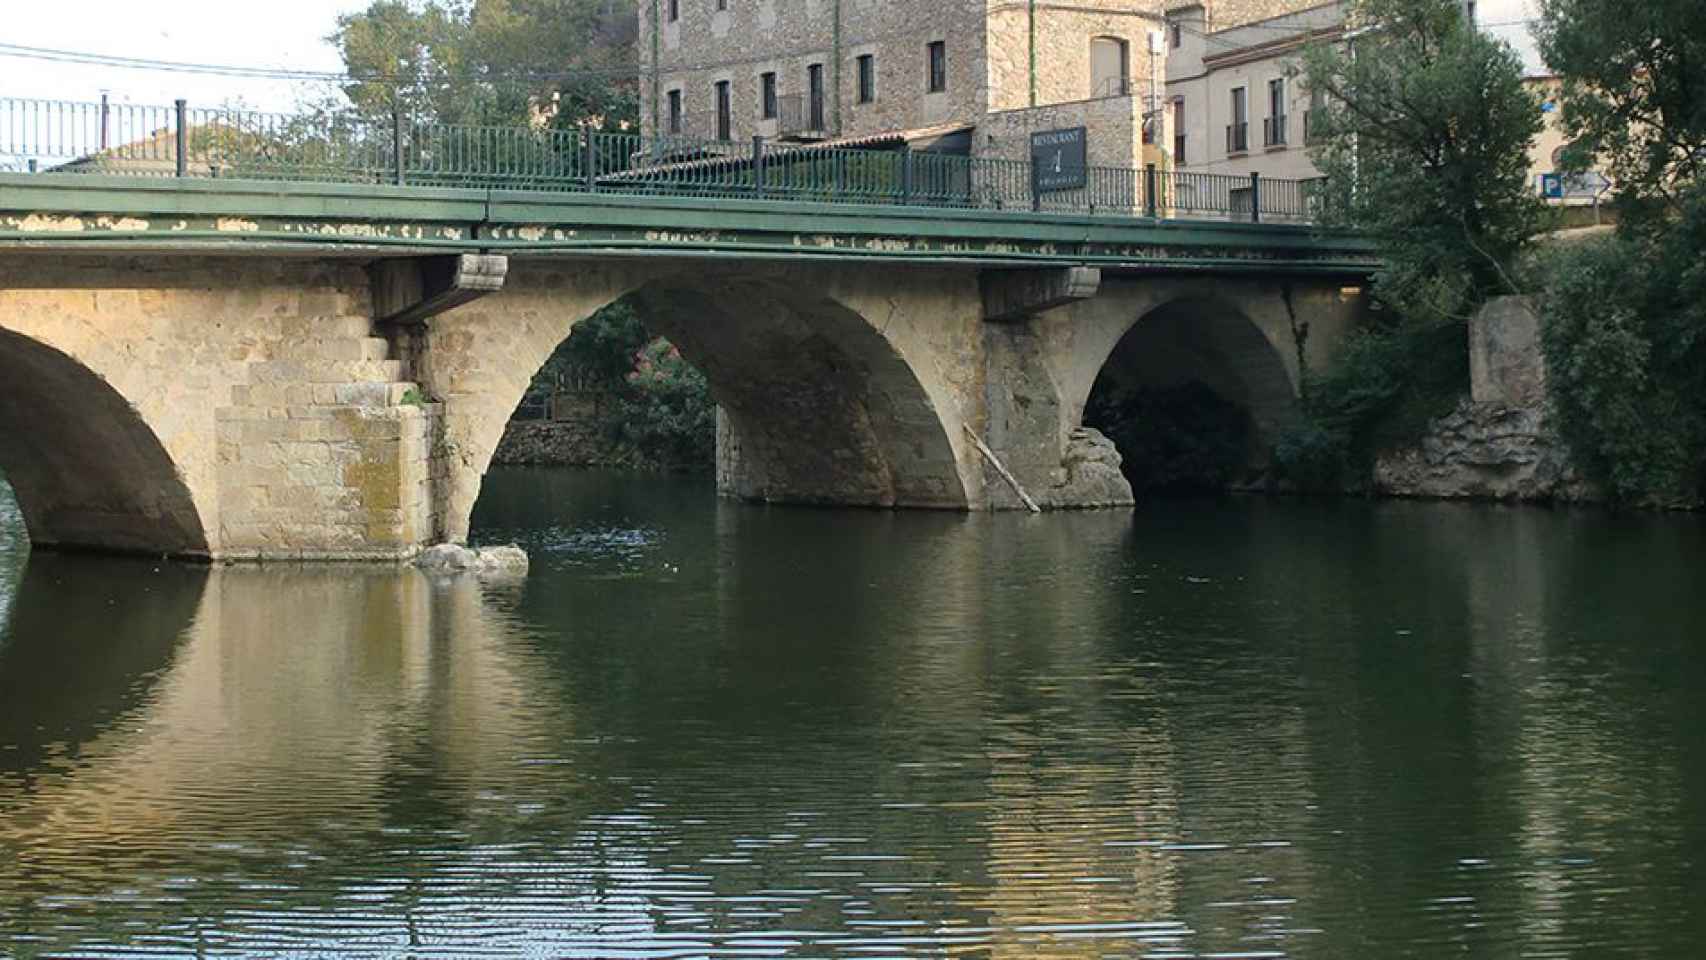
point(413, 397)
point(600, 354)
point(660, 408)
point(1624, 332)
point(667, 412)
point(1179, 439)
point(496, 62)
point(1423, 130)
point(1423, 136)
point(1624, 317)
point(1634, 96)
point(1384, 386)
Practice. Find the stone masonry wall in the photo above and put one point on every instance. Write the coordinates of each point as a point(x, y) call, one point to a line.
point(1062, 61)
point(753, 37)
point(1114, 134)
point(564, 443)
point(273, 402)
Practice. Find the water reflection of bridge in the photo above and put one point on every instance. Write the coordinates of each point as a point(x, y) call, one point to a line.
point(1008, 731)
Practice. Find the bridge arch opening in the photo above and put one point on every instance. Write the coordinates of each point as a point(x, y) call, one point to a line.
point(1193, 395)
point(813, 404)
point(87, 471)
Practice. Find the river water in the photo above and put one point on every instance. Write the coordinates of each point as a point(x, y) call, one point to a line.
point(1226, 728)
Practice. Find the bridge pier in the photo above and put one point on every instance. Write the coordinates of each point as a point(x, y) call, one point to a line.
point(217, 408)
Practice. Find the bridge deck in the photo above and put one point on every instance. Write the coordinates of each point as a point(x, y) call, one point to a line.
point(89, 212)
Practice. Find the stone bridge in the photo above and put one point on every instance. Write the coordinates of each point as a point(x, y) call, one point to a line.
point(233, 370)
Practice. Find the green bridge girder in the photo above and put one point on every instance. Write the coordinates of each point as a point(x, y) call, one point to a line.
point(94, 213)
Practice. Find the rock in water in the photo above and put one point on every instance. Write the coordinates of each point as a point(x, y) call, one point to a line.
point(509, 559)
point(451, 558)
point(1089, 474)
point(447, 558)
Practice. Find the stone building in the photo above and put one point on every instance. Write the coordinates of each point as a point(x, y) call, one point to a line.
point(963, 76)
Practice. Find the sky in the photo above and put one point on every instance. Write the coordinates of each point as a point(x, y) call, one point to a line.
point(264, 33)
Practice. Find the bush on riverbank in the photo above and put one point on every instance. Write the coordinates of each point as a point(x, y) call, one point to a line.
point(659, 413)
point(1423, 141)
point(1386, 384)
point(1624, 333)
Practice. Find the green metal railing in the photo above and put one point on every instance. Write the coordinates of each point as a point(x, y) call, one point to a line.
point(55, 136)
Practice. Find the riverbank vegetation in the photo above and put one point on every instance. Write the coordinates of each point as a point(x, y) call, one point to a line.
point(1425, 143)
point(1624, 315)
point(1424, 133)
point(654, 408)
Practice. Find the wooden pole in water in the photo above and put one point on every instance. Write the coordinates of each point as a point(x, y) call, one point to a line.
point(1000, 468)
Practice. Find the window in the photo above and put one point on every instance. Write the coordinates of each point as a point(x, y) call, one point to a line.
point(1179, 132)
point(722, 89)
point(1177, 34)
point(938, 75)
point(674, 10)
point(1108, 59)
point(767, 95)
point(1238, 131)
point(722, 4)
point(867, 77)
point(675, 111)
point(1273, 128)
point(814, 97)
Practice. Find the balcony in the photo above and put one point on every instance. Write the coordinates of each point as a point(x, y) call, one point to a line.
point(1237, 138)
point(801, 117)
point(1273, 131)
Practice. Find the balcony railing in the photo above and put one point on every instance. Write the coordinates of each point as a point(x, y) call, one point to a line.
point(1238, 137)
point(1273, 131)
point(801, 116)
point(58, 138)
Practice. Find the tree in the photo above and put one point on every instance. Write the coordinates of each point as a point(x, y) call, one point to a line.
point(499, 62)
point(1423, 137)
point(1625, 316)
point(1634, 96)
point(410, 57)
point(1424, 141)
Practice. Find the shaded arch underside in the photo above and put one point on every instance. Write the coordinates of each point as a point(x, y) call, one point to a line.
point(1200, 339)
point(821, 407)
point(87, 471)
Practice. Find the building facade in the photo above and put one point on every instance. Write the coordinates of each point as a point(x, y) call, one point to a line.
point(1236, 94)
point(1200, 86)
point(1240, 104)
point(982, 73)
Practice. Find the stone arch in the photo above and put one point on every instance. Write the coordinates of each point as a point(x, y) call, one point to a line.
point(1235, 334)
point(823, 405)
point(1205, 338)
point(89, 472)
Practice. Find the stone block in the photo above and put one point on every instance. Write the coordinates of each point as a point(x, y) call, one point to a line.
point(1506, 364)
point(363, 394)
